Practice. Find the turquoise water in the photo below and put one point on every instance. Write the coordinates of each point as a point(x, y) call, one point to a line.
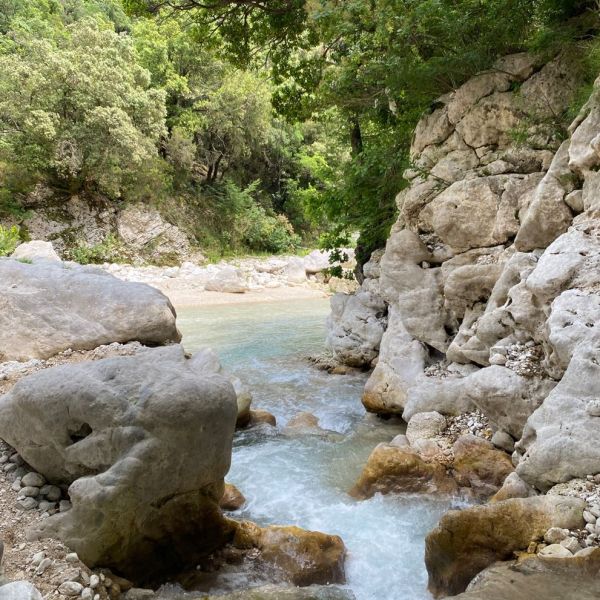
point(305, 480)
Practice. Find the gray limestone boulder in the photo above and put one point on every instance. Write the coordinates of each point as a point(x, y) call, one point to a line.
point(19, 590)
point(48, 307)
point(560, 439)
point(143, 443)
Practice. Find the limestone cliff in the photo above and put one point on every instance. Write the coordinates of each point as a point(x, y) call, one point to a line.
point(491, 274)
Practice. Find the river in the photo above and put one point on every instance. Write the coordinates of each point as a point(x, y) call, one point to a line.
point(304, 480)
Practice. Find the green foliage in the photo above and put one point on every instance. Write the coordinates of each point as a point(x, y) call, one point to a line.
point(78, 109)
point(9, 239)
point(109, 250)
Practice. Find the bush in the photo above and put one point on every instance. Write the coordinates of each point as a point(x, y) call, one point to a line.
point(108, 250)
point(9, 239)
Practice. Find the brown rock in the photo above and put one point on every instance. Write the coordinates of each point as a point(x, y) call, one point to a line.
point(302, 420)
point(467, 541)
point(401, 469)
point(261, 416)
point(302, 557)
point(232, 498)
point(479, 466)
point(577, 577)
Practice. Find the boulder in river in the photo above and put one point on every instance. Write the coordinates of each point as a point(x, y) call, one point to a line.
point(143, 442)
point(299, 556)
point(49, 307)
point(467, 541)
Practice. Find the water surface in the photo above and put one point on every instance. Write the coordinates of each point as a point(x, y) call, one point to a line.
point(304, 480)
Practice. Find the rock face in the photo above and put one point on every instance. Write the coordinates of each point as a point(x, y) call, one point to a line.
point(357, 321)
point(491, 275)
point(467, 541)
point(46, 308)
point(144, 233)
point(143, 443)
point(534, 577)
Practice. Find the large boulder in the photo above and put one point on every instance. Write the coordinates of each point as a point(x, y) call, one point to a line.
point(48, 307)
point(467, 541)
point(143, 443)
point(228, 279)
point(575, 577)
point(559, 440)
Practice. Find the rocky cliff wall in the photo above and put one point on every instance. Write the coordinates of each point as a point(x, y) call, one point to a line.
point(491, 274)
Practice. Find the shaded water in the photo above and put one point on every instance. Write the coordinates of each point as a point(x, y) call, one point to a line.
point(304, 480)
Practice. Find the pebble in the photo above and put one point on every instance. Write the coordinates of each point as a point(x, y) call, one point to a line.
point(45, 505)
point(16, 485)
point(555, 550)
point(64, 506)
point(33, 479)
point(72, 557)
point(45, 564)
point(555, 535)
point(94, 581)
point(589, 517)
point(29, 492)
point(9, 467)
point(27, 503)
point(38, 558)
point(71, 575)
point(595, 510)
point(571, 544)
point(51, 492)
point(87, 594)
point(70, 588)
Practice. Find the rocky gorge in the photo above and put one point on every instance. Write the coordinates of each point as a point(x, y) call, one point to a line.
point(477, 326)
point(485, 301)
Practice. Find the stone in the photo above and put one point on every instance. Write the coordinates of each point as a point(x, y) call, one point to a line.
point(555, 551)
point(34, 251)
point(33, 479)
point(555, 535)
point(52, 493)
point(295, 271)
point(29, 491)
point(504, 441)
point(478, 467)
point(301, 557)
point(27, 503)
point(261, 417)
point(394, 469)
point(316, 261)
point(70, 588)
point(425, 425)
point(87, 594)
point(467, 541)
point(227, 279)
point(279, 592)
point(571, 544)
point(232, 498)
point(19, 590)
point(45, 564)
point(513, 487)
point(35, 300)
point(72, 557)
point(143, 441)
point(94, 581)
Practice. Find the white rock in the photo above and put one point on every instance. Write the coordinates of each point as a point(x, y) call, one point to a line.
point(35, 250)
point(70, 588)
point(555, 535)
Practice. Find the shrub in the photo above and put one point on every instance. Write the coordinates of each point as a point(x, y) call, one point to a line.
point(109, 250)
point(9, 239)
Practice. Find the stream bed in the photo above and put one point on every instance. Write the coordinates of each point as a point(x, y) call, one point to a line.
point(304, 481)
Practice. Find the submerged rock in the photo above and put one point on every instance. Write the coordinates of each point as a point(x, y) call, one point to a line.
point(48, 307)
point(467, 541)
point(298, 556)
point(232, 498)
point(143, 443)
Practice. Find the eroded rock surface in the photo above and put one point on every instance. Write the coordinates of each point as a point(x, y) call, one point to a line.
point(49, 307)
point(143, 442)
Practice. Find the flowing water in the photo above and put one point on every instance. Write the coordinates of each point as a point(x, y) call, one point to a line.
point(304, 480)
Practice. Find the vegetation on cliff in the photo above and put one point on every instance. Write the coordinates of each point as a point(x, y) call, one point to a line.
point(252, 124)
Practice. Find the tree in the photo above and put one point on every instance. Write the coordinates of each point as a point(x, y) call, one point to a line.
point(77, 109)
